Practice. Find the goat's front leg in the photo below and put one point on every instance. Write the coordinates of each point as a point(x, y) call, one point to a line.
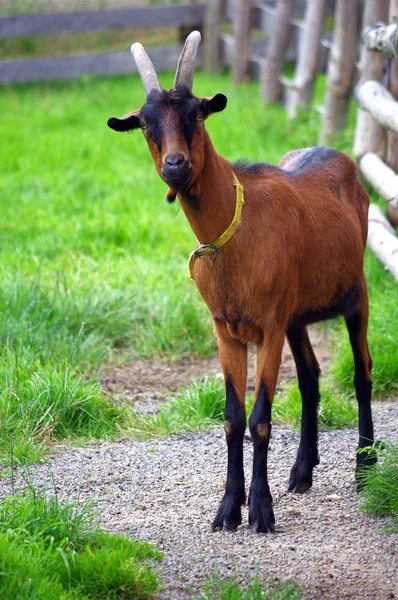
point(269, 352)
point(233, 357)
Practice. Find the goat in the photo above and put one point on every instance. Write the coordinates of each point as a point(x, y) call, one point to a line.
point(290, 256)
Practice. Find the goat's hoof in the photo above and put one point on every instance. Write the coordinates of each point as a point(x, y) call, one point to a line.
point(300, 488)
point(261, 516)
point(229, 514)
point(300, 478)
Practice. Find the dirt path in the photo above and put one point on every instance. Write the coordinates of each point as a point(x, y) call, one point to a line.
point(167, 491)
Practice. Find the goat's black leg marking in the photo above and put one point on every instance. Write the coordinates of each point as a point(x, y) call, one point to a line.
point(229, 514)
point(308, 379)
point(357, 327)
point(261, 515)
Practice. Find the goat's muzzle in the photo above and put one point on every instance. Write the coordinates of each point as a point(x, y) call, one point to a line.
point(176, 170)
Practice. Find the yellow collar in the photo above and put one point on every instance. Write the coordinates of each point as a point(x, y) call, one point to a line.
point(210, 249)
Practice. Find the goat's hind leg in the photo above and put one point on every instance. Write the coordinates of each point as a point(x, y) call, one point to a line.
point(233, 357)
point(308, 379)
point(357, 325)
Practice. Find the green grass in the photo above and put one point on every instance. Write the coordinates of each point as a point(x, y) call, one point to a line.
point(93, 259)
point(336, 410)
point(198, 407)
point(380, 493)
point(54, 551)
point(218, 589)
point(201, 406)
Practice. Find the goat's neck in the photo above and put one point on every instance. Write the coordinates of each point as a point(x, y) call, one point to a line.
point(212, 208)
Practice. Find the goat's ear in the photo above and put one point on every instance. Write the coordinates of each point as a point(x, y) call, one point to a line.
point(212, 105)
point(126, 123)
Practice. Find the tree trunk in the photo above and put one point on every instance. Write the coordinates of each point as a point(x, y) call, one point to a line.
point(381, 177)
point(241, 38)
point(300, 93)
point(341, 68)
point(392, 136)
point(270, 74)
point(369, 135)
point(213, 57)
point(382, 240)
point(374, 98)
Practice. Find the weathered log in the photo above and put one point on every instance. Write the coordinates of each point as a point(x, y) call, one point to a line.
point(381, 177)
point(241, 37)
point(369, 135)
point(341, 68)
point(272, 69)
point(375, 99)
point(304, 77)
point(382, 240)
point(381, 38)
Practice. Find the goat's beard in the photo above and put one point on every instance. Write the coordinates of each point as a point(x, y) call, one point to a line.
point(190, 193)
point(171, 195)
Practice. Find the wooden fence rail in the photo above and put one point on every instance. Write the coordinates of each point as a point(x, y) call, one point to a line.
point(139, 17)
point(69, 67)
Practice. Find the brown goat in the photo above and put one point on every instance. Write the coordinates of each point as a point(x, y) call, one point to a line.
point(296, 258)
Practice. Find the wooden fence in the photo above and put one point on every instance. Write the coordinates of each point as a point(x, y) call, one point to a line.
point(219, 48)
point(376, 139)
point(107, 63)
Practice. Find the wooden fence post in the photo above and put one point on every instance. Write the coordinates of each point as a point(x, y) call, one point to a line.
point(272, 68)
point(392, 136)
point(369, 135)
point(341, 68)
point(241, 41)
point(213, 57)
point(301, 90)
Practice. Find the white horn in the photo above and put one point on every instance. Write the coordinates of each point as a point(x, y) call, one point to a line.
point(145, 68)
point(186, 62)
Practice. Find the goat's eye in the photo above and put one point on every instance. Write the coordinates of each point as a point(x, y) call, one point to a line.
point(199, 117)
point(144, 125)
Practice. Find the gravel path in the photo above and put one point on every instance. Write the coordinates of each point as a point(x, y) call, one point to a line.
point(168, 491)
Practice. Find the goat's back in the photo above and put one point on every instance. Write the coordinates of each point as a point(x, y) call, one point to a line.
point(327, 168)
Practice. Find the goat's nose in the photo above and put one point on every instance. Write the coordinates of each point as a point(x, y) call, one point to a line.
point(174, 159)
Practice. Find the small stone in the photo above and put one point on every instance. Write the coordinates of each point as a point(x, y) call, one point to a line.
point(333, 497)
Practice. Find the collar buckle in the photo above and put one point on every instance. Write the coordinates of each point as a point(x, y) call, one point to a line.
point(204, 250)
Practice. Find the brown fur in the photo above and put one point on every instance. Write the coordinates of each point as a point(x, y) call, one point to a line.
point(300, 246)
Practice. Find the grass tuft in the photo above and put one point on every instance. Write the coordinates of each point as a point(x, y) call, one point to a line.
point(40, 404)
point(53, 551)
point(380, 491)
point(200, 406)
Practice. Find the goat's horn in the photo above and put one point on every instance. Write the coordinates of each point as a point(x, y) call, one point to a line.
point(186, 62)
point(145, 68)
